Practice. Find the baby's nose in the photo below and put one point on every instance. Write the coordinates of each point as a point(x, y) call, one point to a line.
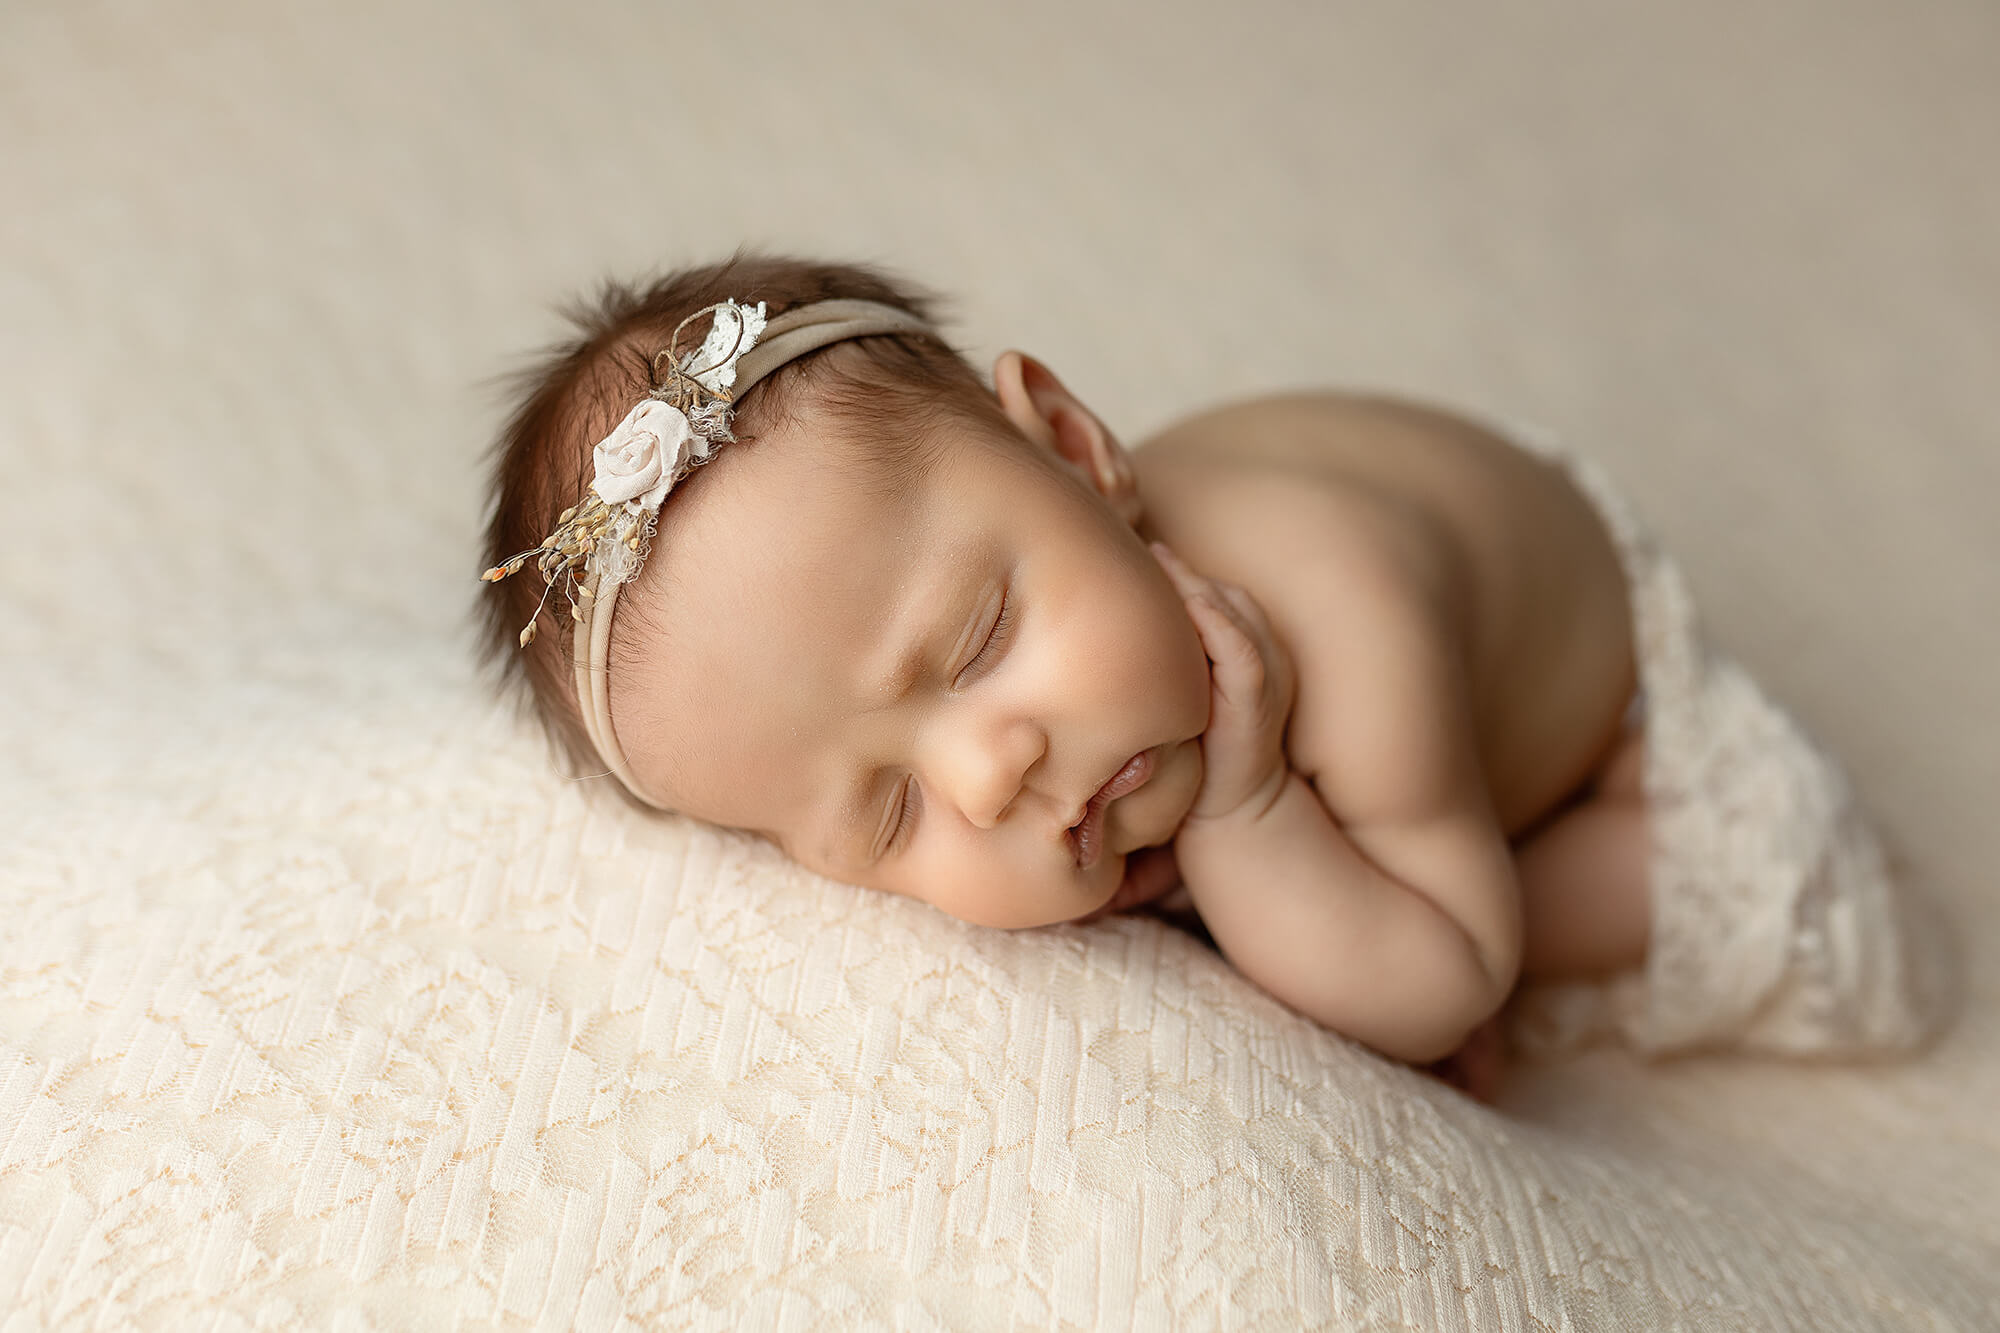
point(987, 772)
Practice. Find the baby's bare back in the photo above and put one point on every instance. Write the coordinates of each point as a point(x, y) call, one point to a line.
point(1318, 503)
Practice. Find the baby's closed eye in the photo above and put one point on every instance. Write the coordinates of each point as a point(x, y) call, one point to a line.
point(909, 801)
point(996, 642)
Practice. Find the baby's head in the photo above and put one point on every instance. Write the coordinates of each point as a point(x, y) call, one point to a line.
point(904, 626)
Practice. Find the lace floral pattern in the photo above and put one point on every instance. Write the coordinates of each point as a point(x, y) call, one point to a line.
point(1777, 925)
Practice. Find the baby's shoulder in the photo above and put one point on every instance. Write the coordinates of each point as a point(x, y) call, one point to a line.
point(1379, 443)
point(1303, 486)
point(1297, 496)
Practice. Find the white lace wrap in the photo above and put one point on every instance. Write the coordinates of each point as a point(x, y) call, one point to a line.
point(1777, 925)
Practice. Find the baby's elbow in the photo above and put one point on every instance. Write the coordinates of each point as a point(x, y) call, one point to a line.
point(1430, 1037)
point(1427, 1047)
point(1457, 993)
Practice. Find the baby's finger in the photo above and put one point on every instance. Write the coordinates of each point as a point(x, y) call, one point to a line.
point(1185, 579)
point(1239, 665)
point(1240, 598)
point(1188, 583)
point(1277, 660)
point(1236, 606)
point(1232, 599)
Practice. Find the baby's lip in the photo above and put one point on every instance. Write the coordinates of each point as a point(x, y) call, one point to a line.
point(1086, 836)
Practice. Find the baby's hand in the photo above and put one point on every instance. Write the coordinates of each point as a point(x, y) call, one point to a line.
point(1251, 692)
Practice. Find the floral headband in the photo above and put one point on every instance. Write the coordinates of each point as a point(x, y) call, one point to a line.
point(601, 543)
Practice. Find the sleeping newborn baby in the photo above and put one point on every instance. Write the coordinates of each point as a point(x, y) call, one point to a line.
point(1409, 710)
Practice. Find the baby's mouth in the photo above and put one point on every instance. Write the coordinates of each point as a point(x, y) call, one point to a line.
point(1086, 838)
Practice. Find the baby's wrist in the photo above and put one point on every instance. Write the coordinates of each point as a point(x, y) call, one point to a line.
point(1245, 814)
point(1208, 844)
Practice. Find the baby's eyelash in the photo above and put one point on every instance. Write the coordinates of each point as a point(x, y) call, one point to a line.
point(996, 640)
point(903, 817)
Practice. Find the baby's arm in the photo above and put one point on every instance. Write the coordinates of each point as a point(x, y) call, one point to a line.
point(1401, 929)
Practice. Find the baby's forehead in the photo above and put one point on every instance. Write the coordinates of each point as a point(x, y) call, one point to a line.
point(780, 559)
point(848, 487)
point(785, 561)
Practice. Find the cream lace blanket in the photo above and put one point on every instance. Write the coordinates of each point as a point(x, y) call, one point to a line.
point(322, 1005)
point(339, 1008)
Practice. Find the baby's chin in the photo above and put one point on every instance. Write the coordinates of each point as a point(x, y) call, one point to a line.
point(1149, 874)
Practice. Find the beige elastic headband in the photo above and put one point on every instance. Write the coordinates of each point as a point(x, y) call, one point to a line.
point(785, 338)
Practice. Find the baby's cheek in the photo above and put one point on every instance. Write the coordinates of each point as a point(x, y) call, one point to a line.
point(948, 875)
point(1183, 676)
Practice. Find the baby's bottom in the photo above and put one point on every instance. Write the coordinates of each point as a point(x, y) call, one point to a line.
point(1585, 903)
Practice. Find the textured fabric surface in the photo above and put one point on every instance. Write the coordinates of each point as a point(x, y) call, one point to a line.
point(323, 1004)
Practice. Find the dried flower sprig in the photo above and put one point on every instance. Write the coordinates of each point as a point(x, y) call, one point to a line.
point(677, 427)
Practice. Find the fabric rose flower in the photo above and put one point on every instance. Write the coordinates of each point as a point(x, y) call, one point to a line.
point(638, 461)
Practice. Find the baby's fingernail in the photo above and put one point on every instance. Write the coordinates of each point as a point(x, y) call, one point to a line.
point(1161, 552)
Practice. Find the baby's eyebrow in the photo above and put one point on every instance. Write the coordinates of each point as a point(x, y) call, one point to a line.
point(938, 603)
point(907, 671)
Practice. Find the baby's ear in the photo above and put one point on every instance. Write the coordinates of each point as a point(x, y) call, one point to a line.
point(1053, 417)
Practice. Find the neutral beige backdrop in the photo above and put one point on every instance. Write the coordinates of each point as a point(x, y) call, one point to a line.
point(257, 266)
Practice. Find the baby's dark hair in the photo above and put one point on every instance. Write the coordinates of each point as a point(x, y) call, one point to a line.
point(887, 396)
